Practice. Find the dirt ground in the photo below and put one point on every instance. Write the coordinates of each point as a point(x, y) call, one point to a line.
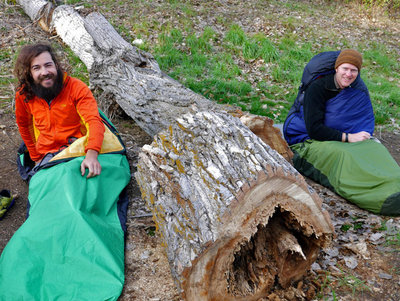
point(362, 264)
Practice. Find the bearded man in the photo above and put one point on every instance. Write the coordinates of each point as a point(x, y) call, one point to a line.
point(71, 245)
point(53, 109)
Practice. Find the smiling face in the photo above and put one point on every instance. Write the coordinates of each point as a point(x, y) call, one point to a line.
point(44, 70)
point(345, 75)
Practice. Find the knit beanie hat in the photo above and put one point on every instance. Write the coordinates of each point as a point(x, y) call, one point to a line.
point(349, 56)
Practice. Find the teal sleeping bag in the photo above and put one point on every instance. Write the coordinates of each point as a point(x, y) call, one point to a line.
point(363, 172)
point(71, 247)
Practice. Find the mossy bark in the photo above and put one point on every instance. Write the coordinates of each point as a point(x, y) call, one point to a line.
point(234, 215)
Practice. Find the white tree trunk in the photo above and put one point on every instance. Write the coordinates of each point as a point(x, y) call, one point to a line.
point(70, 26)
point(35, 9)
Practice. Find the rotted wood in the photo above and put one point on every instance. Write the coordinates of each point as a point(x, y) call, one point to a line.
point(235, 217)
point(264, 128)
point(132, 77)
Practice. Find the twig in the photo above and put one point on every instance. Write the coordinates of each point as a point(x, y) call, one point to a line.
point(10, 138)
point(13, 162)
point(142, 215)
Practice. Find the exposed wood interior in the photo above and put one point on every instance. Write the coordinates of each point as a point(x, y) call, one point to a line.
point(274, 255)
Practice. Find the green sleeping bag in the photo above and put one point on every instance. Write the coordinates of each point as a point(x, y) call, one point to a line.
point(363, 172)
point(71, 247)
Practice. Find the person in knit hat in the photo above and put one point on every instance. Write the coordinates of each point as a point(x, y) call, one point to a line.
point(330, 130)
point(349, 56)
point(347, 66)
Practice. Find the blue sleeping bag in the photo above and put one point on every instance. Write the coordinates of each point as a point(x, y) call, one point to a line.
point(350, 111)
point(363, 172)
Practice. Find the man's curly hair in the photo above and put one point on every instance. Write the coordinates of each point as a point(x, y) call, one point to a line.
point(22, 69)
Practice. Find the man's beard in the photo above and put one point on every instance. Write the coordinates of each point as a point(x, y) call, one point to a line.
point(50, 93)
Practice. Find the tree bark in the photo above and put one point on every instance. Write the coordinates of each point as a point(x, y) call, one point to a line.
point(233, 214)
point(150, 97)
point(39, 11)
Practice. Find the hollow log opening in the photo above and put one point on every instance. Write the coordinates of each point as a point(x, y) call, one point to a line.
point(277, 254)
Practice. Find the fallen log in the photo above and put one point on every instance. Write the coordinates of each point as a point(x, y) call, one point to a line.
point(235, 217)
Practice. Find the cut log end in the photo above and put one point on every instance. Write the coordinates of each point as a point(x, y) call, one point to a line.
point(278, 240)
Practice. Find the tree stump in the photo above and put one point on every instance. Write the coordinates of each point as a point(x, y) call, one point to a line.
point(235, 217)
point(39, 11)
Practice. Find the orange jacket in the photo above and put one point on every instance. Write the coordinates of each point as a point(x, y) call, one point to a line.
point(72, 114)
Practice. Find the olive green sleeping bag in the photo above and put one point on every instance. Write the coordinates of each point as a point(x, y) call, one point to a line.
point(363, 172)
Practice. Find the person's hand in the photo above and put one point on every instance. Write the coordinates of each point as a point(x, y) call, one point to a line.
point(360, 136)
point(90, 162)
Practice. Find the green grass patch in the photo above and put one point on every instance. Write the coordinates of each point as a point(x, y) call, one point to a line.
point(218, 61)
point(216, 75)
point(393, 240)
point(77, 2)
point(78, 69)
point(327, 285)
point(352, 283)
point(7, 79)
point(215, 61)
point(342, 283)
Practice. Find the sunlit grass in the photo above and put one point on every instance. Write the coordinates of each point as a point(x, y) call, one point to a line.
point(78, 69)
point(216, 63)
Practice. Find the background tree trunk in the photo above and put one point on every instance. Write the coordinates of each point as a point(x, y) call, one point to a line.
point(39, 11)
point(234, 215)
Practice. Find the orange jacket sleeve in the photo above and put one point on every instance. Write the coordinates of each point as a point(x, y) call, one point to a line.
point(86, 106)
point(24, 120)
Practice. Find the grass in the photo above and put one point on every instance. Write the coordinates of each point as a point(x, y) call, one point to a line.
point(354, 284)
point(216, 63)
point(7, 80)
point(327, 285)
point(77, 68)
point(393, 240)
point(334, 284)
point(192, 59)
point(392, 235)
